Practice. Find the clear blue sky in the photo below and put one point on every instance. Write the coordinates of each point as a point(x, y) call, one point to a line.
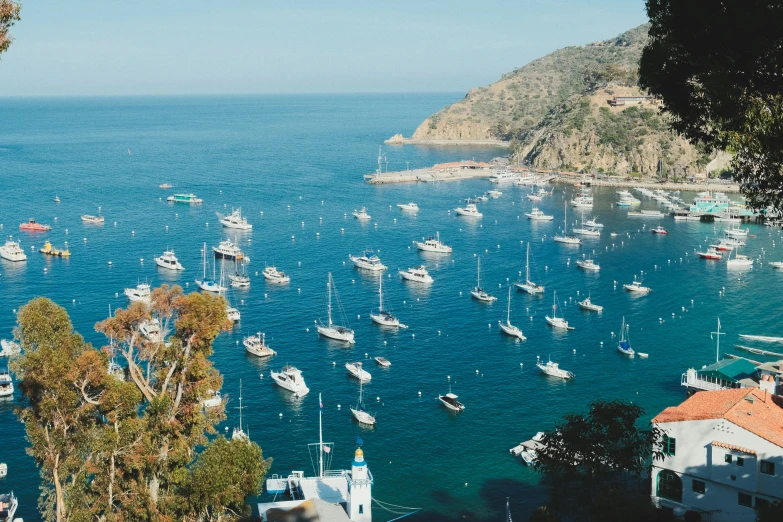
point(105, 47)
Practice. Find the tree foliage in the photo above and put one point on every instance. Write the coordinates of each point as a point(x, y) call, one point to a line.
point(125, 450)
point(719, 70)
point(9, 14)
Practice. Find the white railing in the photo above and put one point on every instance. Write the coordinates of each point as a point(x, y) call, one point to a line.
point(694, 381)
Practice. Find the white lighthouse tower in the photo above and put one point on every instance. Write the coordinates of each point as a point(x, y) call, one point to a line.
point(360, 490)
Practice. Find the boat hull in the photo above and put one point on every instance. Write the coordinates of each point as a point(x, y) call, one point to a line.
point(511, 330)
point(343, 335)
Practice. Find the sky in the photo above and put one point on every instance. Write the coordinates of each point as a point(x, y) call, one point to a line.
point(147, 47)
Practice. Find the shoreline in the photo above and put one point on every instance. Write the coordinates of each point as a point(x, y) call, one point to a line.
point(397, 139)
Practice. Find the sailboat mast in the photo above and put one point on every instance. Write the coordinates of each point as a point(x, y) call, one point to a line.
point(205, 260)
point(508, 310)
point(527, 264)
point(478, 283)
point(240, 404)
point(718, 333)
point(380, 291)
point(321, 433)
point(329, 299)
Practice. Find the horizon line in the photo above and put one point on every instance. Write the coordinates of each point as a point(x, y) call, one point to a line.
point(227, 94)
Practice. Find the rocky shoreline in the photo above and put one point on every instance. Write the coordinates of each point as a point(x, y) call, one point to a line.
point(399, 139)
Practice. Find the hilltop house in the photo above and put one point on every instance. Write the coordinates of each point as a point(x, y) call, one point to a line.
point(724, 453)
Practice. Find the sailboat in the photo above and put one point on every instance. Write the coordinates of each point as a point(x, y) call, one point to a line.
point(331, 330)
point(360, 413)
point(239, 433)
point(624, 346)
point(555, 321)
point(529, 286)
point(384, 317)
point(564, 238)
point(507, 327)
point(239, 279)
point(209, 285)
point(478, 292)
point(232, 313)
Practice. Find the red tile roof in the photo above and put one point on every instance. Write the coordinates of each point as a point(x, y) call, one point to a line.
point(763, 416)
point(732, 447)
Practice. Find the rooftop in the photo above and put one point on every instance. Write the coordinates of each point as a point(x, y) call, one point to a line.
point(750, 408)
point(315, 510)
point(733, 370)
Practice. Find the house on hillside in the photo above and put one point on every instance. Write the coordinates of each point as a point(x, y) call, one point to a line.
point(620, 101)
point(723, 453)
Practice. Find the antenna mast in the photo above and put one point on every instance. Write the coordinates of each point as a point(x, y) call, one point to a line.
point(718, 334)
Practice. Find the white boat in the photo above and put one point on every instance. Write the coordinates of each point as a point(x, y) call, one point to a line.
point(9, 348)
point(584, 231)
point(140, 294)
point(273, 275)
point(228, 250)
point(503, 176)
point(712, 254)
point(150, 329)
point(776, 264)
point(529, 286)
point(587, 304)
point(538, 215)
point(450, 401)
point(169, 261)
point(355, 370)
point(582, 202)
point(417, 275)
point(368, 261)
point(360, 413)
point(234, 220)
point(6, 383)
point(362, 214)
point(93, 220)
point(56, 198)
point(477, 292)
point(646, 214)
point(433, 244)
point(555, 321)
point(508, 328)
point(534, 197)
point(636, 287)
point(762, 338)
point(382, 362)
point(213, 401)
point(11, 251)
point(731, 241)
point(232, 313)
point(494, 194)
point(408, 207)
point(569, 240)
point(468, 210)
point(239, 279)
point(184, 198)
point(256, 345)
point(592, 223)
point(238, 433)
point(208, 285)
point(588, 264)
point(624, 345)
point(331, 330)
point(553, 369)
point(384, 317)
point(737, 232)
point(3, 470)
point(10, 504)
point(739, 261)
point(290, 378)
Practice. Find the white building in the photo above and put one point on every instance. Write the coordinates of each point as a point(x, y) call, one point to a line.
point(724, 453)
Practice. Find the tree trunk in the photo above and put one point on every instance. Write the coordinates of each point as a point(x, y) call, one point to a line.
point(58, 488)
point(154, 485)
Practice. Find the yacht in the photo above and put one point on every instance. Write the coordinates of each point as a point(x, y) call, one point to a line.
point(588, 305)
point(508, 328)
point(33, 226)
point(368, 261)
point(636, 287)
point(739, 261)
point(776, 264)
point(10, 504)
point(290, 378)
point(169, 261)
point(469, 210)
point(235, 220)
point(534, 197)
point(213, 401)
point(433, 244)
point(588, 264)
point(555, 321)
point(6, 383)
point(569, 240)
point(140, 294)
point(450, 401)
point(331, 330)
point(553, 369)
point(477, 292)
point(646, 214)
point(582, 202)
point(150, 330)
point(362, 214)
point(659, 230)
point(184, 198)
point(538, 215)
point(238, 433)
point(116, 370)
point(93, 220)
point(209, 285)
point(12, 252)
point(239, 279)
point(409, 207)
point(256, 345)
point(360, 413)
point(737, 232)
point(711, 254)
point(624, 346)
point(384, 317)
point(592, 223)
point(228, 250)
point(503, 176)
point(417, 275)
point(586, 231)
point(529, 286)
point(494, 194)
point(273, 275)
point(482, 198)
point(356, 370)
point(232, 313)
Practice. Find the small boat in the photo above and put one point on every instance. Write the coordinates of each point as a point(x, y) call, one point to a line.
point(555, 321)
point(636, 287)
point(3, 470)
point(534, 197)
point(360, 413)
point(588, 305)
point(228, 250)
point(409, 207)
point(477, 292)
point(213, 401)
point(233, 314)
point(468, 210)
point(585, 231)
point(208, 285)
point(6, 383)
point(93, 220)
point(238, 433)
point(569, 240)
point(184, 198)
point(169, 261)
point(494, 194)
point(508, 328)
point(582, 202)
point(762, 338)
point(234, 220)
point(529, 286)
point(290, 378)
point(33, 226)
point(150, 330)
point(166, 185)
point(49, 250)
point(9, 505)
point(711, 254)
point(9, 348)
point(776, 264)
point(592, 223)
point(739, 261)
point(355, 370)
point(56, 199)
point(450, 401)
point(417, 275)
point(588, 264)
point(384, 317)
point(646, 214)
point(11, 251)
point(624, 346)
point(239, 279)
point(482, 198)
point(273, 275)
point(362, 214)
point(256, 345)
point(659, 230)
point(368, 261)
point(383, 362)
point(331, 330)
point(433, 244)
point(140, 294)
point(538, 215)
point(553, 369)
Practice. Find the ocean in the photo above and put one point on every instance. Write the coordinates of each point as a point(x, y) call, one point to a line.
point(294, 164)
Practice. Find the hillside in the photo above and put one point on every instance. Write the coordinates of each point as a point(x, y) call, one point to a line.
point(554, 111)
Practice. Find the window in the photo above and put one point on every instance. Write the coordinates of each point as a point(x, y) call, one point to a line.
point(740, 461)
point(669, 485)
point(762, 503)
point(727, 458)
point(361, 509)
point(767, 467)
point(669, 445)
point(743, 499)
point(698, 486)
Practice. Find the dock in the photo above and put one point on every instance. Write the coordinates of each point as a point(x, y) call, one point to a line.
point(427, 175)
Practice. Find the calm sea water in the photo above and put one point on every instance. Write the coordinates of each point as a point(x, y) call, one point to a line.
point(295, 166)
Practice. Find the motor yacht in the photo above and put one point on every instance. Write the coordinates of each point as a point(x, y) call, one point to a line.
point(235, 220)
point(9, 348)
point(408, 207)
point(290, 378)
point(228, 250)
point(494, 194)
point(588, 305)
point(636, 287)
point(9, 506)
point(273, 275)
point(711, 254)
point(184, 198)
point(417, 275)
point(150, 329)
point(588, 264)
point(169, 261)
point(450, 401)
point(553, 369)
point(468, 210)
point(368, 261)
point(11, 251)
point(256, 345)
point(659, 230)
point(93, 220)
point(537, 215)
point(362, 214)
point(433, 244)
point(140, 294)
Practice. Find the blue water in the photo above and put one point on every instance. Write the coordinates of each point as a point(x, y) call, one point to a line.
point(295, 166)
